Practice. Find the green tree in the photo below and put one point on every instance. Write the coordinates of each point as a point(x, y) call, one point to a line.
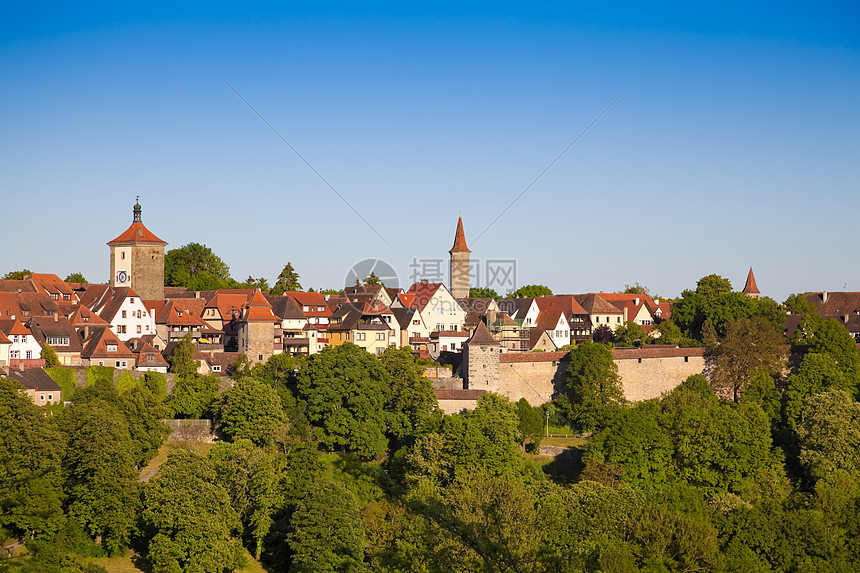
point(195, 267)
point(483, 292)
point(256, 483)
point(748, 345)
point(251, 410)
point(49, 355)
point(182, 362)
point(531, 291)
point(30, 467)
point(486, 436)
point(827, 335)
point(345, 390)
point(797, 304)
point(373, 280)
point(593, 386)
point(17, 275)
point(630, 334)
point(193, 396)
point(636, 288)
point(261, 283)
point(144, 412)
point(829, 433)
point(100, 468)
point(634, 440)
point(76, 278)
point(326, 533)
point(531, 424)
point(287, 281)
point(712, 286)
point(669, 333)
point(412, 404)
point(190, 517)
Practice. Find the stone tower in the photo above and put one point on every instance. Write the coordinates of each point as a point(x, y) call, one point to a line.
point(257, 329)
point(459, 269)
point(750, 288)
point(481, 361)
point(137, 260)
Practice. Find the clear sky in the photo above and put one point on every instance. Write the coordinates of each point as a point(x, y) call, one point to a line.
point(736, 144)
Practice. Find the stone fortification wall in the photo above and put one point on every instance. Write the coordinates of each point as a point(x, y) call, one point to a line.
point(456, 401)
point(645, 372)
point(191, 431)
point(535, 376)
point(449, 383)
point(650, 372)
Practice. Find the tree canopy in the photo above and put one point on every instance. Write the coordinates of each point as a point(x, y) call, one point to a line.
point(593, 386)
point(287, 281)
point(76, 278)
point(483, 292)
point(17, 275)
point(531, 291)
point(195, 267)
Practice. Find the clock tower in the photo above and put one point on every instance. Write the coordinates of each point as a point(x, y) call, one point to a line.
point(137, 260)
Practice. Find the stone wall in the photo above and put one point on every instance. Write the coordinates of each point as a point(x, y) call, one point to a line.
point(191, 431)
point(457, 401)
point(459, 274)
point(535, 376)
point(147, 271)
point(257, 339)
point(650, 372)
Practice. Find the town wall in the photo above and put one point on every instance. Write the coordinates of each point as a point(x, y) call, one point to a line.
point(651, 372)
point(457, 401)
point(535, 376)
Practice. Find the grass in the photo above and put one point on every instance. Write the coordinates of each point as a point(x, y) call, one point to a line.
point(166, 448)
point(126, 564)
point(568, 442)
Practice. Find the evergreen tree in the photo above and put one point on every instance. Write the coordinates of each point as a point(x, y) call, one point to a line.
point(287, 281)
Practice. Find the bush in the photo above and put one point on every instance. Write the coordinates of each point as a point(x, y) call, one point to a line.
point(99, 373)
point(65, 379)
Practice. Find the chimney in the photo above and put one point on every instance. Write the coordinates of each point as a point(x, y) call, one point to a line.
point(824, 296)
point(636, 301)
point(21, 365)
point(56, 318)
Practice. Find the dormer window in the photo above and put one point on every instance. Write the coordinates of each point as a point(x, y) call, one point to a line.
point(67, 297)
point(111, 347)
point(179, 313)
point(54, 296)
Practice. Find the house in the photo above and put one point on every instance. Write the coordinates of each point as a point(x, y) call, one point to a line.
point(294, 331)
point(485, 307)
point(638, 308)
point(218, 363)
point(147, 358)
point(600, 311)
point(842, 306)
point(26, 305)
point(24, 351)
point(448, 340)
point(577, 319)
point(60, 335)
point(5, 345)
point(174, 320)
point(556, 327)
point(40, 387)
point(523, 310)
point(512, 336)
point(104, 348)
point(364, 327)
point(367, 294)
point(411, 325)
point(121, 308)
point(437, 307)
point(53, 286)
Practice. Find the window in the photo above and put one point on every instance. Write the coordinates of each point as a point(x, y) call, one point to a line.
point(58, 340)
point(124, 363)
point(111, 347)
point(121, 329)
point(440, 326)
point(29, 355)
point(150, 358)
point(138, 329)
point(122, 254)
point(453, 327)
point(67, 297)
point(54, 296)
point(50, 396)
point(216, 368)
point(558, 333)
point(101, 363)
point(124, 314)
point(416, 322)
point(140, 314)
point(617, 319)
point(259, 357)
point(306, 308)
point(15, 354)
point(131, 299)
point(42, 397)
point(179, 313)
point(686, 359)
point(117, 363)
point(639, 361)
point(596, 319)
point(347, 336)
point(380, 336)
point(320, 308)
point(360, 336)
point(14, 338)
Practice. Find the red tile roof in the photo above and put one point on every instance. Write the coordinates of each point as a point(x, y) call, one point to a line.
point(96, 346)
point(460, 239)
point(655, 352)
point(459, 394)
point(750, 286)
point(137, 233)
point(423, 293)
point(520, 357)
point(258, 309)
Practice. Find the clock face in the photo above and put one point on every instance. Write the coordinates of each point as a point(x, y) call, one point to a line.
point(121, 277)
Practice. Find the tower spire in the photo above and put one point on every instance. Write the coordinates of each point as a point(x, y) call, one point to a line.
point(460, 239)
point(136, 210)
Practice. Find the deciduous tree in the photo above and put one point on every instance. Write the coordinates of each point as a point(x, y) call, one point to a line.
point(195, 267)
point(829, 432)
point(483, 292)
point(531, 291)
point(593, 386)
point(251, 410)
point(76, 278)
point(17, 275)
point(748, 345)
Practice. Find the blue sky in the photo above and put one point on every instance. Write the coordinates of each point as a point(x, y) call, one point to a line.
point(736, 144)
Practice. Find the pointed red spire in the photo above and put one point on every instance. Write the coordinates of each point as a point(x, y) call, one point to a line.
point(460, 239)
point(750, 287)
